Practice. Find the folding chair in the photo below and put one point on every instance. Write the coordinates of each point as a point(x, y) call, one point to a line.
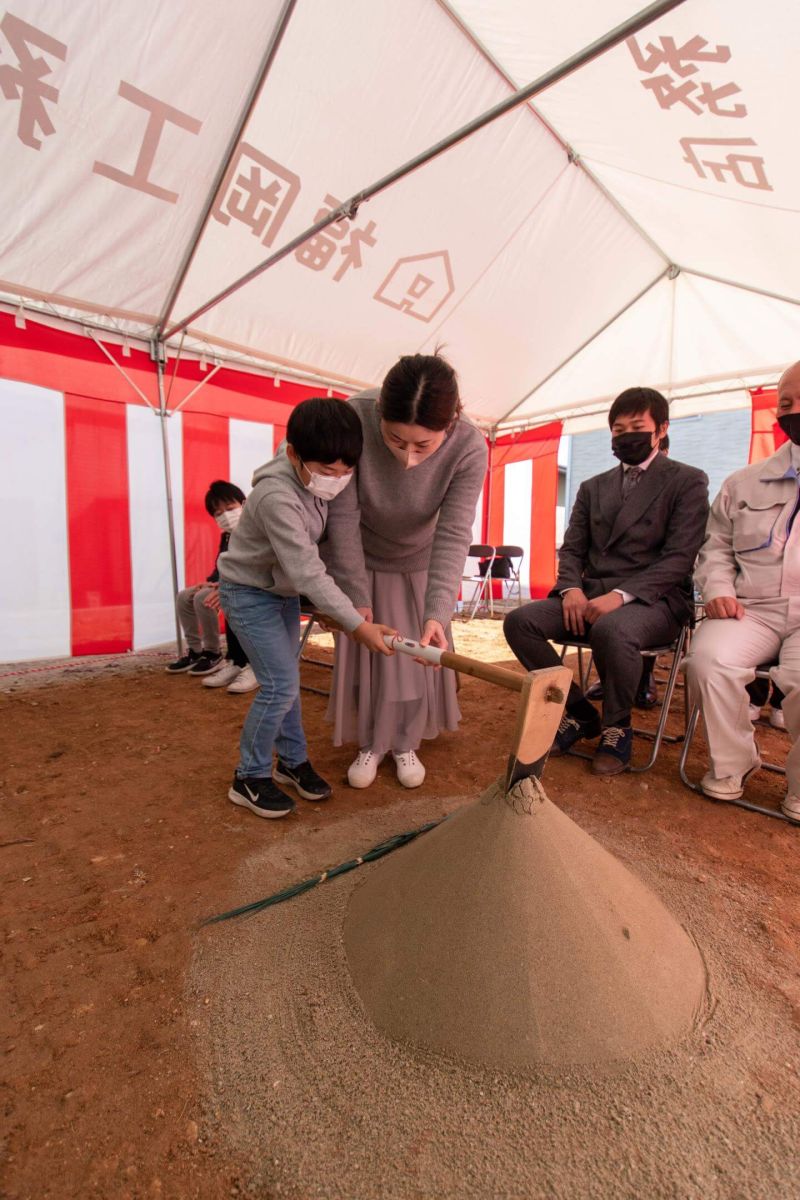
point(677, 649)
point(762, 672)
point(481, 580)
point(511, 584)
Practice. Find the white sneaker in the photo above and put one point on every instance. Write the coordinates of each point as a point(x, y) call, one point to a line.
point(410, 770)
point(246, 681)
point(753, 712)
point(776, 718)
point(222, 676)
point(362, 771)
point(790, 807)
point(730, 787)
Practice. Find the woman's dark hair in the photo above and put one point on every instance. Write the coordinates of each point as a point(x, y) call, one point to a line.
point(325, 431)
point(223, 492)
point(637, 400)
point(420, 389)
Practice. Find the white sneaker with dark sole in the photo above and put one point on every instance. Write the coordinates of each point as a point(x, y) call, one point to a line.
point(729, 787)
point(410, 770)
point(363, 769)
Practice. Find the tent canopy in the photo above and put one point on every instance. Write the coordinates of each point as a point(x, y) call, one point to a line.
point(636, 222)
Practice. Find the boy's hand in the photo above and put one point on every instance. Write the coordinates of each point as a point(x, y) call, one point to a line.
point(372, 636)
point(212, 599)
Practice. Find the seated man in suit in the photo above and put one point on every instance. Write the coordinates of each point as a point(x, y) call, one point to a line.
point(749, 576)
point(623, 575)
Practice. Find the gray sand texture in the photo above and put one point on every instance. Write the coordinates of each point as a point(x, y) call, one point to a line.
point(312, 1100)
point(509, 937)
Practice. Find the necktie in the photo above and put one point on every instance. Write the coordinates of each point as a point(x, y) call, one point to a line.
point(630, 480)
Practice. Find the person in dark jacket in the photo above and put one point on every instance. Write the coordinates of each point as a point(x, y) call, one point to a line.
point(624, 575)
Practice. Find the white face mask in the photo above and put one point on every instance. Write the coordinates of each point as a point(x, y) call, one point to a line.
point(229, 519)
point(327, 487)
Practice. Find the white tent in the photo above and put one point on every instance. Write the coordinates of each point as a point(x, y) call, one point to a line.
point(636, 221)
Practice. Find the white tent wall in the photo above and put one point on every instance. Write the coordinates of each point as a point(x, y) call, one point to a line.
point(34, 582)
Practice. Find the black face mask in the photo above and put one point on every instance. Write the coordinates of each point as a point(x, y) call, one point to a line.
point(632, 448)
point(790, 424)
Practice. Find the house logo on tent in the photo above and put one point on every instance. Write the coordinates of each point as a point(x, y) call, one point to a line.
point(418, 285)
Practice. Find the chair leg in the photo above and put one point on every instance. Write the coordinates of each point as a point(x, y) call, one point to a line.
point(660, 735)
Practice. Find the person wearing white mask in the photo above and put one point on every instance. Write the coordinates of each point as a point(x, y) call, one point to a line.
point(199, 621)
point(396, 544)
point(272, 559)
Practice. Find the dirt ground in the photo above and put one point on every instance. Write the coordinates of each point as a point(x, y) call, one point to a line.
point(117, 839)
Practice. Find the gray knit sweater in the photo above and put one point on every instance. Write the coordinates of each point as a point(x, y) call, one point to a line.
point(398, 520)
point(274, 546)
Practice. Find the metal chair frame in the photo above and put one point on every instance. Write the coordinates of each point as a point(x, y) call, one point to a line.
point(513, 582)
point(318, 662)
point(762, 672)
point(659, 735)
point(483, 591)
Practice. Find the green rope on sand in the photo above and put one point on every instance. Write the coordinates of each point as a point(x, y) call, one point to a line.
point(394, 843)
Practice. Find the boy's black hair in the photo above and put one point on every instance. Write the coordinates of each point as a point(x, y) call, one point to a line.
point(325, 431)
point(223, 492)
point(637, 400)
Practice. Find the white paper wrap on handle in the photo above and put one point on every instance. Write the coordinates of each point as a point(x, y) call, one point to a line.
point(432, 654)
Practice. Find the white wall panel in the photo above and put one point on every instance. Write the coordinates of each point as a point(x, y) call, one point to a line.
point(517, 514)
point(34, 581)
point(251, 445)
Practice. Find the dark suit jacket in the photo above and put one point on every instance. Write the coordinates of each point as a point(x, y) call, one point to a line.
point(646, 546)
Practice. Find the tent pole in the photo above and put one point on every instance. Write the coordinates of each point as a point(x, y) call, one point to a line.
point(163, 416)
point(349, 208)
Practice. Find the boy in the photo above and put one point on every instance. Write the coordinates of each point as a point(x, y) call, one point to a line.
point(272, 559)
point(199, 622)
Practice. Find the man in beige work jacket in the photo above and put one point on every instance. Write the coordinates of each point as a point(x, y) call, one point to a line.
point(748, 573)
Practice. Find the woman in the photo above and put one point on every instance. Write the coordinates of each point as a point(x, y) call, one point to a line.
point(396, 544)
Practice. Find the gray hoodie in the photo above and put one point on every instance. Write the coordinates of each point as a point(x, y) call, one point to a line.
point(274, 546)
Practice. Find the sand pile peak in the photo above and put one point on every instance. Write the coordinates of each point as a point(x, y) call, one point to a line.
point(508, 936)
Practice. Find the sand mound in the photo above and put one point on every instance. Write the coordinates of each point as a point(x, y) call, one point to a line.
point(509, 937)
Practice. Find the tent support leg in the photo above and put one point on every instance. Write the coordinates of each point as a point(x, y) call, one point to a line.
point(163, 416)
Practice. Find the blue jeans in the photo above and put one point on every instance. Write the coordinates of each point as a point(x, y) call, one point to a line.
point(268, 627)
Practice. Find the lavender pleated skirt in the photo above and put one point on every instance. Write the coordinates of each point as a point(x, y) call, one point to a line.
point(391, 703)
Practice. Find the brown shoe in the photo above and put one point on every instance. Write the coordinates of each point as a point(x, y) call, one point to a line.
point(613, 754)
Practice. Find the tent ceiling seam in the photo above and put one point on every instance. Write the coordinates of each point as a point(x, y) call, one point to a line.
point(579, 349)
point(276, 37)
point(348, 209)
point(575, 159)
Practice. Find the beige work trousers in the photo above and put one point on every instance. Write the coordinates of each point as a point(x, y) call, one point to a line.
point(722, 661)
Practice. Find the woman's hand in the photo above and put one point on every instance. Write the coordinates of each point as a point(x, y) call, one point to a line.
point(433, 635)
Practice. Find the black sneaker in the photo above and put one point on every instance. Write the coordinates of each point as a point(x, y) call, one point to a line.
point(570, 731)
point(646, 693)
point(261, 797)
point(304, 779)
point(595, 692)
point(205, 664)
point(183, 664)
point(614, 752)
